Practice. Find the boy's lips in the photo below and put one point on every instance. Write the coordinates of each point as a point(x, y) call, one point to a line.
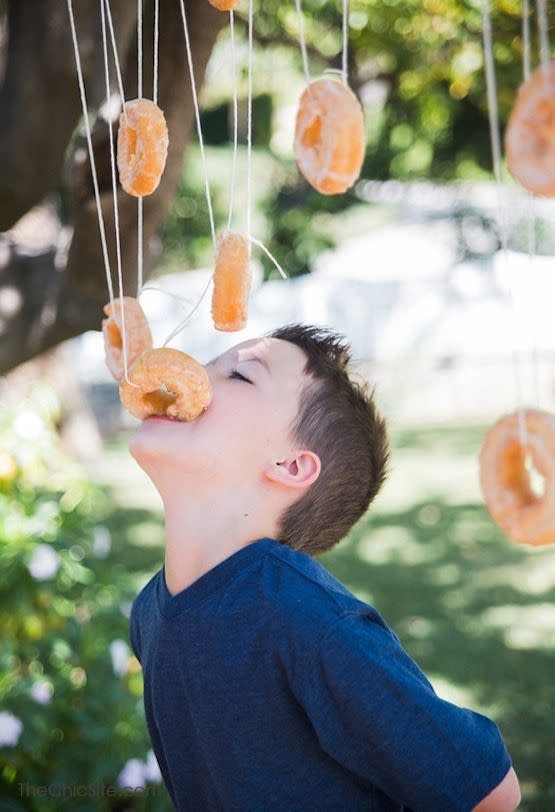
point(162, 417)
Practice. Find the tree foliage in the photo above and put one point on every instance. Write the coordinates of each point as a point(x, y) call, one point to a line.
point(417, 66)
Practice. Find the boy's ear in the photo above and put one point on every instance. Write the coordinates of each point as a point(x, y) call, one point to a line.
point(299, 470)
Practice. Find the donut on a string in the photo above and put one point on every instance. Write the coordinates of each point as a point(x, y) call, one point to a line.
point(232, 282)
point(530, 134)
point(142, 147)
point(138, 337)
point(329, 136)
point(524, 515)
point(166, 381)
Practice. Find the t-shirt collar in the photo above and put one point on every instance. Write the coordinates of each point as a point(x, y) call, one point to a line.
point(210, 581)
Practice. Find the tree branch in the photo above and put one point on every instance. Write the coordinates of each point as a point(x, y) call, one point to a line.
point(39, 101)
point(56, 305)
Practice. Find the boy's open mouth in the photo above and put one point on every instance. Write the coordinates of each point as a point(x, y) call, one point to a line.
point(162, 417)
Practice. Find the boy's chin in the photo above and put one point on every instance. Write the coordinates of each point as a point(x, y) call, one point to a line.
point(152, 441)
point(143, 445)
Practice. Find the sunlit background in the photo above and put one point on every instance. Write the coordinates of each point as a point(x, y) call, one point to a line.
point(453, 330)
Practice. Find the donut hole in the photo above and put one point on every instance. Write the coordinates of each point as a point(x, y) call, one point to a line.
point(535, 477)
point(159, 399)
point(545, 112)
point(114, 335)
point(514, 475)
point(312, 136)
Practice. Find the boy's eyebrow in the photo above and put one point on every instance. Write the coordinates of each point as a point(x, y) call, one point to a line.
point(260, 361)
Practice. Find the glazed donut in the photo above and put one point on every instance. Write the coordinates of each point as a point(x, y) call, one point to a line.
point(138, 337)
point(329, 136)
point(224, 5)
point(166, 381)
point(512, 504)
point(142, 147)
point(232, 281)
point(530, 134)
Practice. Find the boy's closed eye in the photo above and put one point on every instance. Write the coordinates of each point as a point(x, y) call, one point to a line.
point(235, 372)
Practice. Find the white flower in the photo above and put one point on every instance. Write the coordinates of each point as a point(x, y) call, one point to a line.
point(133, 774)
point(152, 770)
point(44, 562)
point(110, 109)
point(126, 608)
point(102, 541)
point(120, 653)
point(10, 729)
point(42, 692)
point(28, 425)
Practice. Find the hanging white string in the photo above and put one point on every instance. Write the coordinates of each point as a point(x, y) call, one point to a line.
point(139, 48)
point(197, 117)
point(139, 244)
point(345, 57)
point(187, 318)
point(302, 41)
point(493, 115)
point(543, 33)
point(115, 52)
point(91, 153)
point(529, 198)
point(271, 256)
point(155, 98)
point(183, 323)
point(234, 158)
point(139, 95)
point(114, 186)
point(250, 238)
point(154, 289)
point(249, 127)
point(155, 68)
point(526, 62)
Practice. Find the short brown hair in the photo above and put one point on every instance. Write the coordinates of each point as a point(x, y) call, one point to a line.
point(338, 420)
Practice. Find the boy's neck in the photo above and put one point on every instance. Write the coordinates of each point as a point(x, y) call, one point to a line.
point(199, 535)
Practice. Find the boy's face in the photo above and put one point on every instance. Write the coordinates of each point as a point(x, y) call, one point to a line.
point(245, 426)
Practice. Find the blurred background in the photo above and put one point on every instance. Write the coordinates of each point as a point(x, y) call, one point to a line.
point(408, 265)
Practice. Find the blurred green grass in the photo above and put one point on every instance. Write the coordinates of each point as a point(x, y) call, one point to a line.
point(473, 609)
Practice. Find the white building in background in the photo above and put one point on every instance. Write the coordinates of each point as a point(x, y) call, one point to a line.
point(441, 338)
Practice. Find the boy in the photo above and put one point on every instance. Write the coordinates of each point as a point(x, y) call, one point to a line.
point(267, 684)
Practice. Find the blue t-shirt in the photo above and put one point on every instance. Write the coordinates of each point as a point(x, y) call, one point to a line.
point(269, 686)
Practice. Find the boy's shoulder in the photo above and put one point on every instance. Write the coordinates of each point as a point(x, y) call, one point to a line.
point(306, 594)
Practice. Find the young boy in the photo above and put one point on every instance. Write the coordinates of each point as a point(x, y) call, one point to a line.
point(267, 684)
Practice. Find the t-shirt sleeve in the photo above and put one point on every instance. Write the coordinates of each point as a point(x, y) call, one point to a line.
point(133, 632)
point(375, 712)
